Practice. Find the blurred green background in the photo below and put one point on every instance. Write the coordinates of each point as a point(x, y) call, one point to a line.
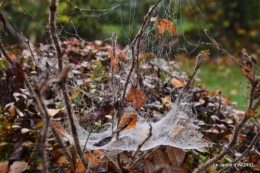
point(235, 24)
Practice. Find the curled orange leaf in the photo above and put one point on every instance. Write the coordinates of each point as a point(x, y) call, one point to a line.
point(166, 25)
point(125, 121)
point(175, 82)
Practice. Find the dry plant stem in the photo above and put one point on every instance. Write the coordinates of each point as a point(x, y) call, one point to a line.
point(45, 130)
point(146, 139)
point(2, 4)
point(245, 153)
point(140, 34)
point(73, 126)
point(33, 95)
point(233, 141)
point(71, 116)
point(199, 61)
point(52, 28)
point(61, 143)
point(219, 47)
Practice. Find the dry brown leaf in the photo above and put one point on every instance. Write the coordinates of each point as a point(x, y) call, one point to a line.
point(166, 25)
point(177, 128)
point(175, 155)
point(53, 112)
point(4, 167)
point(148, 166)
point(125, 119)
point(175, 82)
point(92, 157)
point(80, 166)
point(18, 167)
point(114, 63)
point(61, 130)
point(160, 158)
point(250, 113)
point(62, 160)
point(136, 97)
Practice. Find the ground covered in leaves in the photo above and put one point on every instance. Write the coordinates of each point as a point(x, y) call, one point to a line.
point(94, 104)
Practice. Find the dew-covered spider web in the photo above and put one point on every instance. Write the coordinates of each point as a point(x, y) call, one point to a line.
point(158, 55)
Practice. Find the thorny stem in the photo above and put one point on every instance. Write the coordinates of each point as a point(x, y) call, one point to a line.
point(55, 40)
point(71, 116)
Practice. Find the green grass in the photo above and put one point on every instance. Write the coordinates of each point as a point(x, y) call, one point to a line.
point(228, 80)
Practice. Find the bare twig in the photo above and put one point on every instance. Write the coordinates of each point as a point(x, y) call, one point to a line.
point(200, 58)
point(245, 153)
point(220, 48)
point(45, 130)
point(228, 148)
point(146, 139)
point(71, 116)
point(52, 28)
point(138, 37)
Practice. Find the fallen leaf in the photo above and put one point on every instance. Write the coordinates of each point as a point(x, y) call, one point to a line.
point(175, 155)
point(160, 158)
point(18, 167)
point(175, 82)
point(136, 97)
point(166, 25)
point(250, 113)
point(62, 161)
point(91, 157)
point(53, 112)
point(177, 128)
point(125, 119)
point(61, 130)
point(4, 167)
point(148, 166)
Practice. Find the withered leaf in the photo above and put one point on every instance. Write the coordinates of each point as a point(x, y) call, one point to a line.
point(18, 167)
point(103, 142)
point(250, 113)
point(136, 97)
point(177, 83)
point(161, 158)
point(175, 155)
point(166, 25)
point(148, 166)
point(176, 130)
point(4, 167)
point(125, 121)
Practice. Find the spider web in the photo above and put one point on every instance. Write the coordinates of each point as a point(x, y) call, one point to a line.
point(161, 51)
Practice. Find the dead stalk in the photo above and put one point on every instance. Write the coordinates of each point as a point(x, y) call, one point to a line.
point(71, 116)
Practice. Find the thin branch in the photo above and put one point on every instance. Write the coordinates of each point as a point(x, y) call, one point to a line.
point(45, 130)
point(220, 48)
point(146, 139)
point(71, 116)
point(138, 37)
point(199, 61)
point(245, 153)
point(52, 28)
point(237, 130)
